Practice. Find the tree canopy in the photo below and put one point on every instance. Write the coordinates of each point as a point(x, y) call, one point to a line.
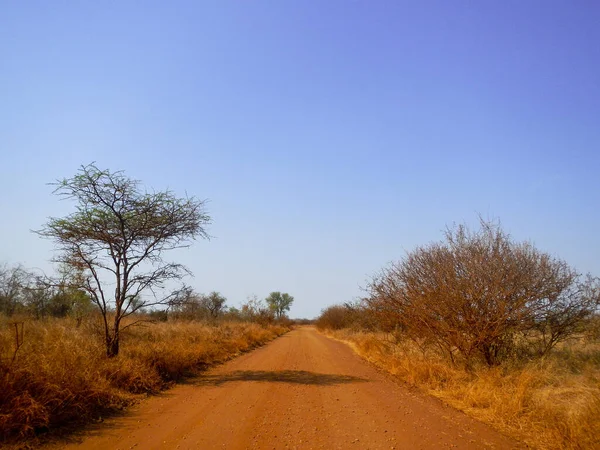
point(117, 237)
point(279, 303)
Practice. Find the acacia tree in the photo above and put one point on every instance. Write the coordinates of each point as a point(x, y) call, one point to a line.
point(117, 237)
point(279, 303)
point(215, 303)
point(200, 306)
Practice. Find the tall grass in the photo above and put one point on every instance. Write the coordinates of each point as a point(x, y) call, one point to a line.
point(60, 375)
point(553, 403)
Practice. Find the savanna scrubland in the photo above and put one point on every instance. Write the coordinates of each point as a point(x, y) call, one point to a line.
point(497, 328)
point(115, 321)
point(54, 372)
point(506, 332)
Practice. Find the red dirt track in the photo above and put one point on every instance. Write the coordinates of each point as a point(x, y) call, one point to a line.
point(302, 391)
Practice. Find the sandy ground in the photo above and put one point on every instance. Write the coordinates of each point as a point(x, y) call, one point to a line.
point(302, 391)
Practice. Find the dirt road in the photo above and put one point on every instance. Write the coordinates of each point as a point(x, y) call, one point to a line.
point(302, 391)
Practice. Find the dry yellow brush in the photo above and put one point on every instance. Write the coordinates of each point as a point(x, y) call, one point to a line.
point(60, 374)
point(550, 404)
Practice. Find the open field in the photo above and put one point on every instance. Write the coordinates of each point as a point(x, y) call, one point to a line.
point(553, 403)
point(60, 375)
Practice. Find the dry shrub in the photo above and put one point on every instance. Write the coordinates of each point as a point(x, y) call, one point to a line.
point(61, 376)
point(553, 403)
point(478, 293)
point(352, 315)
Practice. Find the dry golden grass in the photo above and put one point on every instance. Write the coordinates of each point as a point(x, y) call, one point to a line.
point(549, 404)
point(61, 375)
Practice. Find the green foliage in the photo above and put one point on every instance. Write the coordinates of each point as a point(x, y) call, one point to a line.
point(215, 303)
point(279, 303)
point(13, 288)
point(116, 239)
point(23, 292)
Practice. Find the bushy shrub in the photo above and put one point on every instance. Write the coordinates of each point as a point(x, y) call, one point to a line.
point(477, 294)
point(348, 315)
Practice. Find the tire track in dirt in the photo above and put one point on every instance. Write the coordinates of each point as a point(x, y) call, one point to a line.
point(302, 391)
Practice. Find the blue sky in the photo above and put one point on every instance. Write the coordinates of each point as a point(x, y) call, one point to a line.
point(330, 136)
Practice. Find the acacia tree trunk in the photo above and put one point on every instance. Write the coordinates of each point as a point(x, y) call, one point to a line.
point(112, 340)
point(112, 345)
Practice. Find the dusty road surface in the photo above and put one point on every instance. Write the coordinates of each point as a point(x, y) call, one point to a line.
point(302, 391)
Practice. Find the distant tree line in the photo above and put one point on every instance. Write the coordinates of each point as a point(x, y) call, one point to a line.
point(23, 292)
point(212, 306)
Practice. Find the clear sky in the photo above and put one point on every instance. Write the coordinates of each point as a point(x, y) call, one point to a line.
point(331, 136)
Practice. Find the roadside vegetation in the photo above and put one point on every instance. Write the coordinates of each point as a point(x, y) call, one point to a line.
point(54, 373)
point(496, 328)
point(115, 322)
